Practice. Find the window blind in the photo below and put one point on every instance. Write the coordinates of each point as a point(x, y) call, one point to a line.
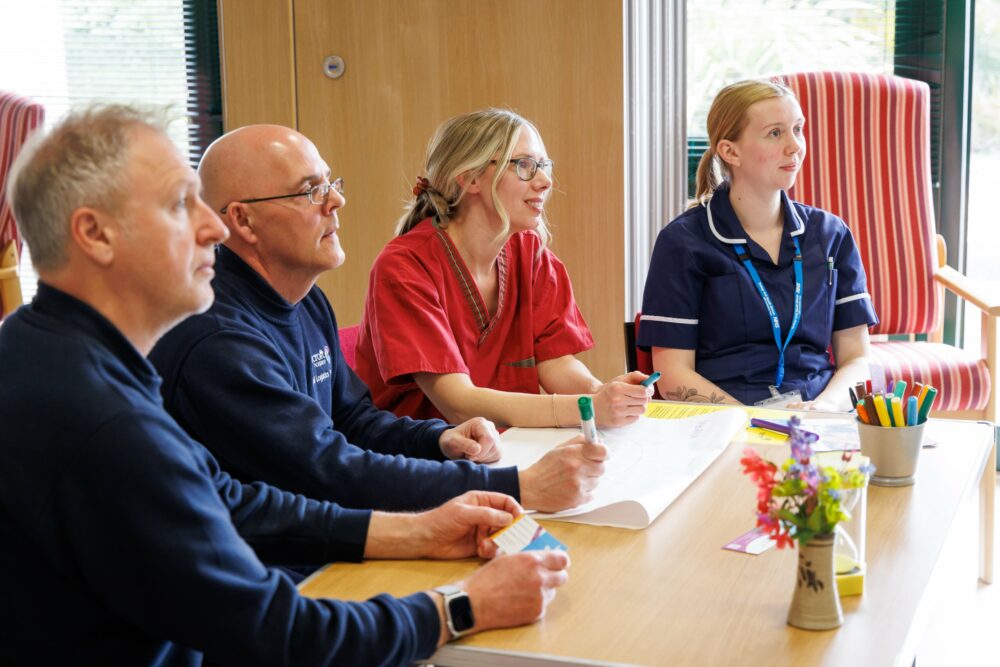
point(65, 53)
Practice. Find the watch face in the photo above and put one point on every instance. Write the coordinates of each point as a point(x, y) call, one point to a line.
point(460, 608)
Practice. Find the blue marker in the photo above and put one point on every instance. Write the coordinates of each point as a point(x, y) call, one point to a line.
point(911, 411)
point(587, 424)
point(648, 382)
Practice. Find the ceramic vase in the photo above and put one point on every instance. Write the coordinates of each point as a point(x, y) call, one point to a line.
point(816, 604)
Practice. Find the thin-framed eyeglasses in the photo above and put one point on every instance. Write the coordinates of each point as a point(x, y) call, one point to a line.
point(318, 194)
point(527, 167)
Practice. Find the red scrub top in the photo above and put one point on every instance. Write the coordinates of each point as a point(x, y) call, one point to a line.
point(423, 313)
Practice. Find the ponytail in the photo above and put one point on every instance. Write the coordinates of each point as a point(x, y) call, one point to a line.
point(427, 202)
point(708, 177)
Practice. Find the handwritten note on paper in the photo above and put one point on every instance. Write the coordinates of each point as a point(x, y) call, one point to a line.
point(650, 464)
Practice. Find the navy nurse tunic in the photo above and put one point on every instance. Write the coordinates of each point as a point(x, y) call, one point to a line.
point(699, 296)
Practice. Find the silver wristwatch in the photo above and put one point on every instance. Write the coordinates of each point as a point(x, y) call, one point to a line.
point(457, 610)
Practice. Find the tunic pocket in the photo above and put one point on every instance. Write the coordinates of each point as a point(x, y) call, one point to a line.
point(519, 375)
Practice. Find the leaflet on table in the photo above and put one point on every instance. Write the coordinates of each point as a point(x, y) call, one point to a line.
point(836, 434)
point(753, 436)
point(650, 464)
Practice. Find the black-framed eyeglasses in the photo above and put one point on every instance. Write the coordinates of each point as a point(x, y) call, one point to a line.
point(318, 194)
point(527, 167)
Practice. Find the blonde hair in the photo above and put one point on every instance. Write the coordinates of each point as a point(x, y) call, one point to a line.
point(82, 161)
point(726, 121)
point(466, 144)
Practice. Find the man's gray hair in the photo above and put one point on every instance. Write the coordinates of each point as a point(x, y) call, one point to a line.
point(82, 161)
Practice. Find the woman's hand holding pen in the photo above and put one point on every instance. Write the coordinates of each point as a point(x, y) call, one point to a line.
point(622, 400)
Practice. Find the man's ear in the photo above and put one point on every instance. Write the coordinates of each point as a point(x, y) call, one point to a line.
point(237, 218)
point(728, 153)
point(94, 233)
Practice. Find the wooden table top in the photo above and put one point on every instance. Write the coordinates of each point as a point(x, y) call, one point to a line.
point(671, 595)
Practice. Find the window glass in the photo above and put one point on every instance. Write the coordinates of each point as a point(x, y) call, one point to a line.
point(730, 40)
point(983, 233)
point(67, 52)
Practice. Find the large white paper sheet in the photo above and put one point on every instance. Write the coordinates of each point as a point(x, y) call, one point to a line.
point(651, 462)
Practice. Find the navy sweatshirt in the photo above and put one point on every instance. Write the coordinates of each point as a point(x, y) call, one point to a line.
point(263, 384)
point(123, 542)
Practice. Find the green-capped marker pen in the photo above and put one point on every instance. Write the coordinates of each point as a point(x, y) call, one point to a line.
point(587, 424)
point(648, 382)
point(925, 405)
point(899, 389)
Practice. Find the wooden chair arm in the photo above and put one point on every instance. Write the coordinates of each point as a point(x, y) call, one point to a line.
point(979, 295)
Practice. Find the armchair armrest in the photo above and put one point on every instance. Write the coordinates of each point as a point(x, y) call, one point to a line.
point(981, 296)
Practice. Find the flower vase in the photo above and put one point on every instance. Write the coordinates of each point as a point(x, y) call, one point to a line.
point(816, 604)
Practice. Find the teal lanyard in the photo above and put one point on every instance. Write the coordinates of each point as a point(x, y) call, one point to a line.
point(741, 254)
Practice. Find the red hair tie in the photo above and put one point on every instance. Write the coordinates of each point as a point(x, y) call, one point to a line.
point(422, 186)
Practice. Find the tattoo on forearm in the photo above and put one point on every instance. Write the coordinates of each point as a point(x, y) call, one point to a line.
point(691, 395)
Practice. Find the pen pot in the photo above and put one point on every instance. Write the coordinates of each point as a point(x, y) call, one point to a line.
point(893, 450)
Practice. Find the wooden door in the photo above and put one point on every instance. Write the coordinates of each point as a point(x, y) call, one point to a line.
point(409, 65)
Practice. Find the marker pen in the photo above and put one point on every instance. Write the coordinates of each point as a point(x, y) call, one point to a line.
point(651, 379)
point(587, 424)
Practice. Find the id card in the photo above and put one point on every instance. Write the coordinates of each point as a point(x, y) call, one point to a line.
point(525, 535)
point(781, 400)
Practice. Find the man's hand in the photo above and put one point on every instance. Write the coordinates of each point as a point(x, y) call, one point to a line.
point(476, 440)
point(622, 400)
point(565, 477)
point(461, 527)
point(516, 589)
point(511, 590)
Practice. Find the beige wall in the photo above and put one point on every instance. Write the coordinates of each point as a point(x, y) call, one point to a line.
point(410, 65)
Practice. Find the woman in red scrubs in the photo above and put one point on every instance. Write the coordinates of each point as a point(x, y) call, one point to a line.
point(468, 313)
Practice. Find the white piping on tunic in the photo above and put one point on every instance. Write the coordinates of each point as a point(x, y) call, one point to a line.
point(799, 225)
point(853, 297)
point(668, 320)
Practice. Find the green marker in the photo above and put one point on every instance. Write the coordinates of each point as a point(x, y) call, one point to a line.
point(925, 407)
point(899, 389)
point(587, 424)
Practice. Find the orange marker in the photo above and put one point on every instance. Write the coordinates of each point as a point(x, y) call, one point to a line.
point(863, 412)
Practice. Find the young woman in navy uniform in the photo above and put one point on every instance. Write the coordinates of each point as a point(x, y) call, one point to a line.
point(748, 291)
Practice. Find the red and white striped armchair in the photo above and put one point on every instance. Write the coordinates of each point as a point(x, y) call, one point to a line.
point(19, 117)
point(868, 141)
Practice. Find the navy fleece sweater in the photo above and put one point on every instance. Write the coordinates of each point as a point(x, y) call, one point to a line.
point(123, 543)
point(263, 384)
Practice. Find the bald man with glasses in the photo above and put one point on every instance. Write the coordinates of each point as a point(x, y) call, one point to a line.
point(260, 379)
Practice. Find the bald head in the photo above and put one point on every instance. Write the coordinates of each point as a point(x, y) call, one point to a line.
point(267, 178)
point(254, 161)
